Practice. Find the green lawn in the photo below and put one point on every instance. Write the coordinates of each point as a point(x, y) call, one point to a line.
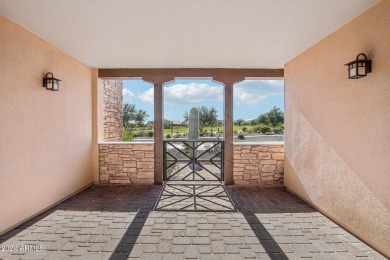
point(207, 129)
point(185, 129)
point(176, 130)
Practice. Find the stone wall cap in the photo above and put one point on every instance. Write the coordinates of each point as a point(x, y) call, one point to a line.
point(234, 143)
point(141, 142)
point(260, 143)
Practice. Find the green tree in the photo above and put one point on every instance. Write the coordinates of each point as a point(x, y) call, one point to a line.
point(253, 122)
point(207, 117)
point(203, 114)
point(131, 115)
point(239, 121)
point(185, 116)
point(140, 117)
point(212, 118)
point(276, 117)
point(167, 124)
point(263, 119)
point(128, 114)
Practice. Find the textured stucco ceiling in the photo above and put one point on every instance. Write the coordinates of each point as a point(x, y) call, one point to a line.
point(183, 33)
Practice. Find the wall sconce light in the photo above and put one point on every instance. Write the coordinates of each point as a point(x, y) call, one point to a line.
point(51, 83)
point(359, 68)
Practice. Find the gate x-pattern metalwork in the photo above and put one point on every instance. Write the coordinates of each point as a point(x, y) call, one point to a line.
point(193, 177)
point(193, 160)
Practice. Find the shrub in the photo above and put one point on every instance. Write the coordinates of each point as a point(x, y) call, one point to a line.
point(257, 129)
point(141, 134)
point(241, 136)
point(217, 149)
point(244, 129)
point(265, 129)
point(278, 130)
point(127, 135)
point(201, 134)
point(235, 132)
point(167, 136)
point(150, 133)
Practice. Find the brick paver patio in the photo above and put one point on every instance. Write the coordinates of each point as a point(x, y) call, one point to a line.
point(121, 222)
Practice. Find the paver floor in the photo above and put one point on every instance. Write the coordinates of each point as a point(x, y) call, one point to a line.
point(195, 197)
point(121, 222)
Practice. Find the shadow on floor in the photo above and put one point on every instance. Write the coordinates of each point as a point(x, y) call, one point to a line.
point(252, 200)
point(209, 197)
point(142, 200)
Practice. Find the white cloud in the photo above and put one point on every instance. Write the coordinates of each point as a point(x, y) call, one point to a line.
point(147, 96)
point(127, 95)
point(248, 91)
point(255, 91)
point(245, 95)
point(186, 94)
point(192, 93)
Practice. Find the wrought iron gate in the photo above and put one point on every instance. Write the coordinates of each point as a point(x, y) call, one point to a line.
point(193, 160)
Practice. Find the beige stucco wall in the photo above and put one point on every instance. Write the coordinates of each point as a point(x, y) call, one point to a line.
point(45, 136)
point(337, 133)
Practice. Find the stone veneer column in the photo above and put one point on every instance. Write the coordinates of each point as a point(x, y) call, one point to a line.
point(112, 113)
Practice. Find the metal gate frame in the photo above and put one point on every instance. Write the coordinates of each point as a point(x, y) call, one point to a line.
point(192, 159)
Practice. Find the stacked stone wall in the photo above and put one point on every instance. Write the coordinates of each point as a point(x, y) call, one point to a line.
point(112, 99)
point(127, 163)
point(258, 164)
point(133, 163)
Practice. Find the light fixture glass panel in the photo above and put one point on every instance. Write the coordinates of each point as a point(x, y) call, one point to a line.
point(352, 72)
point(49, 84)
point(55, 85)
point(361, 71)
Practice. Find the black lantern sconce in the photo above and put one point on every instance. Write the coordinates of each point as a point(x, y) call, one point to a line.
point(359, 68)
point(51, 83)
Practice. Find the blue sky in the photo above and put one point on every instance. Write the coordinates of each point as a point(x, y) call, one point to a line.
point(250, 97)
